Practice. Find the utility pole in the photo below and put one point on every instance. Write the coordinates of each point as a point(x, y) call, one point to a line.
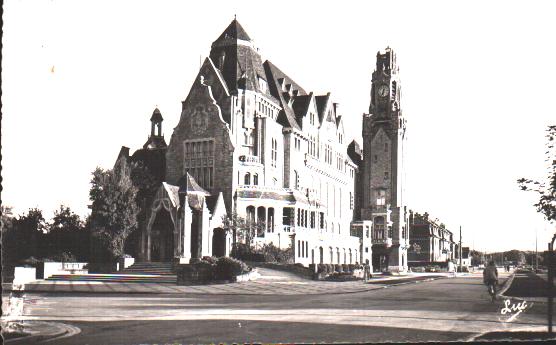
point(460, 251)
point(536, 253)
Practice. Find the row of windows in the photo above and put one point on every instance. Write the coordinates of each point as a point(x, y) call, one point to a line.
point(203, 176)
point(261, 219)
point(297, 144)
point(247, 179)
point(302, 249)
point(199, 161)
point(266, 109)
point(197, 149)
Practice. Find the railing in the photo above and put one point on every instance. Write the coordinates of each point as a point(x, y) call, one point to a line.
point(387, 241)
point(265, 188)
point(380, 208)
point(250, 159)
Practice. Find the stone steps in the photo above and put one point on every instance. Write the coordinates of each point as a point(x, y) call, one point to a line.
point(115, 278)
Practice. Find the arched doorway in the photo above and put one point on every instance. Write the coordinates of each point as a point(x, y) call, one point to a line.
point(219, 242)
point(321, 253)
point(162, 237)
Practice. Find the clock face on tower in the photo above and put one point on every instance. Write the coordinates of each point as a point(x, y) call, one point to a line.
point(383, 90)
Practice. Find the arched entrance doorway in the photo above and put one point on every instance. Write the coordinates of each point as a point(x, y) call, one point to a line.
point(162, 237)
point(219, 242)
point(321, 255)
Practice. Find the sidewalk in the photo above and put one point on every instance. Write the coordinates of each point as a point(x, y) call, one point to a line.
point(271, 282)
point(529, 286)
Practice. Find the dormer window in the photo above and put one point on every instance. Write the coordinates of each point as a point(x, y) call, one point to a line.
point(262, 85)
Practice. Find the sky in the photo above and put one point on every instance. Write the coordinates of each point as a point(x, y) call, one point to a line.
point(80, 79)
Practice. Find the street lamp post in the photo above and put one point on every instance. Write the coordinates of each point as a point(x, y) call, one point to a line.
point(550, 281)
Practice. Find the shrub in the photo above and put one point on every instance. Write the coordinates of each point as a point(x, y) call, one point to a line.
point(63, 257)
point(330, 268)
point(210, 259)
point(351, 267)
point(271, 253)
point(345, 268)
point(322, 268)
point(339, 269)
point(228, 268)
point(241, 251)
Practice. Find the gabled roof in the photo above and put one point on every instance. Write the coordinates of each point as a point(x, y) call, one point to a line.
point(322, 102)
point(188, 185)
point(276, 78)
point(301, 105)
point(234, 31)
point(173, 193)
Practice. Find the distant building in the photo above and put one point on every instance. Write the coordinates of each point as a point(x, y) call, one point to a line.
point(430, 241)
point(465, 254)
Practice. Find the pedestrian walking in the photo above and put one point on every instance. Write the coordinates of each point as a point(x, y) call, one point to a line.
point(367, 270)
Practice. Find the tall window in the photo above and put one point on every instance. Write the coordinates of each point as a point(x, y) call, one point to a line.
point(274, 153)
point(247, 180)
point(295, 179)
point(199, 161)
point(255, 179)
point(380, 197)
point(379, 227)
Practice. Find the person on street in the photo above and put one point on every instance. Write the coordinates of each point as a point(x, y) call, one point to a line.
point(367, 270)
point(490, 278)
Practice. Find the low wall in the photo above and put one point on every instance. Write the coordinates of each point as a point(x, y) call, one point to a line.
point(51, 268)
point(24, 275)
point(194, 274)
point(124, 263)
point(441, 264)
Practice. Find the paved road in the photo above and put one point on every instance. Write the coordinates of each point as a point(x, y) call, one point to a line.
point(439, 310)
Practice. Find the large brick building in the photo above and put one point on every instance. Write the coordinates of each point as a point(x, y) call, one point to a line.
point(271, 151)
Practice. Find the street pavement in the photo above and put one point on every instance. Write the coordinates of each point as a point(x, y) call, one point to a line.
point(446, 309)
point(270, 282)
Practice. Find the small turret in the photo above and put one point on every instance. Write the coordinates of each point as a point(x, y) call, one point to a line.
point(156, 139)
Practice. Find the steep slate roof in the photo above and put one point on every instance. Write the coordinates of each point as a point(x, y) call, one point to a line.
point(301, 105)
point(234, 31)
point(286, 117)
point(154, 159)
point(322, 101)
point(240, 63)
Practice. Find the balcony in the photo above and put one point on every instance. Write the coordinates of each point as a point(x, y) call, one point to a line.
point(250, 160)
point(386, 241)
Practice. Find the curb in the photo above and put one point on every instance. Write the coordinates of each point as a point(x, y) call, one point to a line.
point(58, 330)
point(365, 287)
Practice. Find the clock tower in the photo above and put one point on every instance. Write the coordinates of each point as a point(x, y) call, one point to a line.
point(382, 181)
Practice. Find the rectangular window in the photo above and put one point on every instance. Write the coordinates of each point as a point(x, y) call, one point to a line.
point(199, 161)
point(350, 200)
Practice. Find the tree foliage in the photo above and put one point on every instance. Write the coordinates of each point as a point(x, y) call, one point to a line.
point(114, 210)
point(243, 230)
point(67, 236)
point(545, 189)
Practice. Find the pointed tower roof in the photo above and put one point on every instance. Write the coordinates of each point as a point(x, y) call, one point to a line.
point(188, 185)
point(157, 116)
point(234, 31)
